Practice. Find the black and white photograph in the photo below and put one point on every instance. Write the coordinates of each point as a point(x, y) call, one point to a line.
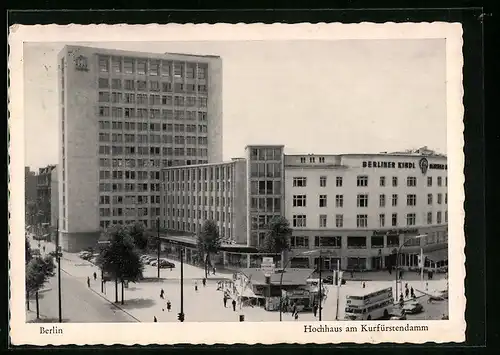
point(315, 184)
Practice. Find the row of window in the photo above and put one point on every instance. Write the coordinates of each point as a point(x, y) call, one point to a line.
point(128, 200)
point(360, 242)
point(362, 200)
point(266, 154)
point(362, 181)
point(217, 216)
point(153, 100)
point(201, 201)
point(151, 163)
point(182, 187)
point(119, 112)
point(153, 138)
point(300, 221)
point(165, 151)
point(128, 187)
point(151, 86)
point(108, 223)
point(150, 127)
point(193, 227)
point(152, 67)
point(205, 173)
point(129, 211)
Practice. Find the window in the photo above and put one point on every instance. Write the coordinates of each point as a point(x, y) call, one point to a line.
point(439, 217)
point(339, 220)
point(362, 200)
point(103, 96)
point(103, 83)
point(445, 216)
point(446, 181)
point(429, 217)
point(338, 181)
point(299, 220)
point(154, 68)
point(394, 200)
point(165, 69)
point(362, 180)
point(446, 198)
point(322, 181)
point(411, 200)
point(394, 181)
point(410, 219)
point(429, 199)
point(322, 220)
point(381, 200)
point(356, 242)
point(201, 72)
point(322, 200)
point(103, 64)
point(312, 159)
point(129, 85)
point(328, 242)
point(382, 181)
point(394, 219)
point(381, 220)
point(362, 220)
point(429, 181)
point(178, 70)
point(339, 200)
point(299, 200)
point(128, 66)
point(440, 181)
point(321, 159)
point(411, 181)
point(299, 182)
point(440, 199)
point(141, 67)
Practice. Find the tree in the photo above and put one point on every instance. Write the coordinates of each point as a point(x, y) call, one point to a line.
point(120, 258)
point(27, 251)
point(138, 235)
point(277, 239)
point(209, 242)
point(38, 271)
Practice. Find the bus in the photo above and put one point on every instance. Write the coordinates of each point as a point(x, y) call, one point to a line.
point(366, 305)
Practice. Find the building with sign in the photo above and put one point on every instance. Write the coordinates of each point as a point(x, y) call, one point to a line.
point(358, 209)
point(123, 117)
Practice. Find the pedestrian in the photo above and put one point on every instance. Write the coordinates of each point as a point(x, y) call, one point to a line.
point(364, 285)
point(204, 281)
point(196, 286)
point(407, 292)
point(296, 316)
point(95, 276)
point(234, 305)
point(169, 306)
point(401, 300)
point(154, 319)
point(406, 285)
point(412, 293)
point(315, 309)
point(214, 270)
point(44, 248)
point(162, 294)
point(88, 281)
point(352, 274)
point(426, 286)
point(294, 309)
point(225, 301)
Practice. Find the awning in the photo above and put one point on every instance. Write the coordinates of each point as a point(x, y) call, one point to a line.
point(437, 255)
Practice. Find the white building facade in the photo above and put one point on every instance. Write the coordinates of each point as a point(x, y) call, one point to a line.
point(359, 209)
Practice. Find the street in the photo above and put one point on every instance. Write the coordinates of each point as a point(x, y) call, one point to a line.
point(79, 304)
point(143, 302)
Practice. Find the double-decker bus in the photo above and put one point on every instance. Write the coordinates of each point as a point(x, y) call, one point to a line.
point(365, 305)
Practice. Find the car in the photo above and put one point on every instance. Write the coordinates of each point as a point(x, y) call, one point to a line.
point(328, 280)
point(395, 315)
point(413, 307)
point(85, 255)
point(439, 295)
point(164, 264)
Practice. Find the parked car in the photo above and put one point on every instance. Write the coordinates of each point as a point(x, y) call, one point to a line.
point(412, 308)
point(164, 264)
point(439, 295)
point(401, 315)
point(85, 255)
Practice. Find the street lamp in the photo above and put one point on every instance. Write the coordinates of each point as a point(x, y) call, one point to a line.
point(283, 271)
point(397, 258)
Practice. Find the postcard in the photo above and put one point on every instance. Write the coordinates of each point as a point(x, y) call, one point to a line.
point(250, 183)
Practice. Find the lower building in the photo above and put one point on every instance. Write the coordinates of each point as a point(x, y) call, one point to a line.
point(359, 210)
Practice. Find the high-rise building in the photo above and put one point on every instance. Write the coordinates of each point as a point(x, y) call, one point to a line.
point(123, 117)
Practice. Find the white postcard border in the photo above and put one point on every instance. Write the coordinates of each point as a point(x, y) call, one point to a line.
point(452, 330)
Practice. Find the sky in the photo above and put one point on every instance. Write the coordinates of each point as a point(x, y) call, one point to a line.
point(321, 97)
